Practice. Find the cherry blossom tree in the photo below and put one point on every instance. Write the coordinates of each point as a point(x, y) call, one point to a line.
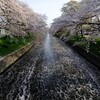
point(77, 16)
point(20, 19)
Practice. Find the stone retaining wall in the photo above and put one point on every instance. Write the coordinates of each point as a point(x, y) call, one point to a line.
point(6, 61)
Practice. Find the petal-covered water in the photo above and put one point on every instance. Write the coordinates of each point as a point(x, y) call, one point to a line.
point(51, 71)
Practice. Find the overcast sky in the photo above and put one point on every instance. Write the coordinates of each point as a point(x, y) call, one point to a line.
point(51, 8)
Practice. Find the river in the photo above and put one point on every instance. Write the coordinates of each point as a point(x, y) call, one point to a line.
point(51, 71)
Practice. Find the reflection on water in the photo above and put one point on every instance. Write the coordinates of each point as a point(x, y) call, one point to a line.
point(48, 52)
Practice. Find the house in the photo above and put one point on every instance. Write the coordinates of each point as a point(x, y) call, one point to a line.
point(2, 26)
point(2, 32)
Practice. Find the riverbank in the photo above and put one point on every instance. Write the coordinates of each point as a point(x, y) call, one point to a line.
point(76, 43)
point(89, 56)
point(7, 60)
point(9, 44)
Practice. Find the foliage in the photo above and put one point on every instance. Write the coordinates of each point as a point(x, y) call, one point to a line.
point(58, 34)
point(75, 38)
point(94, 47)
point(9, 44)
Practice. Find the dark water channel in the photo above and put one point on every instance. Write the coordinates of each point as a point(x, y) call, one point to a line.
point(51, 71)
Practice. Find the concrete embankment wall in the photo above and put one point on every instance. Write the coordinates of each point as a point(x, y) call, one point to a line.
point(9, 59)
point(89, 56)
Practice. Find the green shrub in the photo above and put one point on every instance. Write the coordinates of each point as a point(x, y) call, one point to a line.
point(58, 34)
point(95, 47)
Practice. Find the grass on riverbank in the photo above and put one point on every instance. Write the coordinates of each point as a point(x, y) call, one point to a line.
point(94, 47)
point(82, 41)
point(9, 44)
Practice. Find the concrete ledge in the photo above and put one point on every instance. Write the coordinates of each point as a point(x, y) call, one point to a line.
point(89, 56)
point(6, 61)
